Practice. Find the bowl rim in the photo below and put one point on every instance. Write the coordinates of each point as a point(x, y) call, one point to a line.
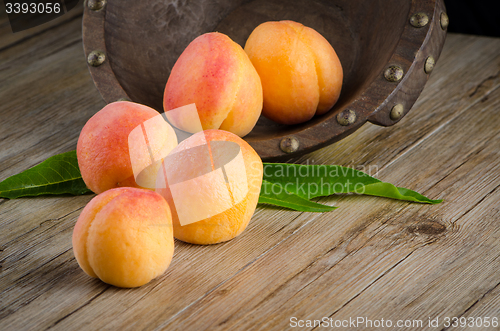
point(400, 82)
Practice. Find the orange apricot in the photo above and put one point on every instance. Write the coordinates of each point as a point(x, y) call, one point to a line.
point(104, 151)
point(124, 237)
point(216, 75)
point(212, 183)
point(300, 72)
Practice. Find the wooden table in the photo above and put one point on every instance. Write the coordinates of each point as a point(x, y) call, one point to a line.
point(371, 258)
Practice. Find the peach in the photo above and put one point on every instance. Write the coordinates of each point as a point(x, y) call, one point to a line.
point(300, 72)
point(212, 183)
point(118, 132)
point(216, 75)
point(124, 237)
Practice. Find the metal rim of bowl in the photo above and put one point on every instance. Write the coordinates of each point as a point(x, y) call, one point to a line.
point(401, 81)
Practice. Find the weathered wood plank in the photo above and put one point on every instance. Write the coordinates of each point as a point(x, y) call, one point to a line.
point(33, 253)
point(27, 216)
point(175, 277)
point(47, 95)
point(9, 38)
point(47, 100)
point(487, 306)
point(362, 250)
point(416, 182)
point(440, 280)
point(66, 297)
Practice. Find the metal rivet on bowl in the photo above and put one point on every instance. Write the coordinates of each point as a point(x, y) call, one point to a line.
point(346, 117)
point(445, 20)
point(289, 144)
point(393, 73)
point(96, 4)
point(419, 20)
point(96, 58)
point(429, 64)
point(397, 112)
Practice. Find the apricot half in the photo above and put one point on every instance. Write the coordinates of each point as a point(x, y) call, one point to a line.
point(300, 72)
point(212, 183)
point(124, 237)
point(216, 75)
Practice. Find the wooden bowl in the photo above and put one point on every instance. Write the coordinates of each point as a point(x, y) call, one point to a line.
point(387, 49)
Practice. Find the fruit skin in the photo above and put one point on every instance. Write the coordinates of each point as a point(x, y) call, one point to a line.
point(229, 223)
point(103, 148)
point(215, 73)
point(124, 237)
point(300, 72)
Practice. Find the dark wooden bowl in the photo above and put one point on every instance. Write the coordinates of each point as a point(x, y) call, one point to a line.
point(387, 49)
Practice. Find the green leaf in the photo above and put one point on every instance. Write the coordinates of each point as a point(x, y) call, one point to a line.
point(275, 194)
point(58, 174)
point(310, 181)
point(285, 185)
point(388, 190)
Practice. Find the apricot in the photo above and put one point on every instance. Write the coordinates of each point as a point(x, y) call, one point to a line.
point(216, 75)
point(300, 72)
point(212, 183)
point(104, 150)
point(124, 237)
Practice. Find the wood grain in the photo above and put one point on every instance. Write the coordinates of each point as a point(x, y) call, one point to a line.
point(361, 257)
point(375, 257)
point(9, 39)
